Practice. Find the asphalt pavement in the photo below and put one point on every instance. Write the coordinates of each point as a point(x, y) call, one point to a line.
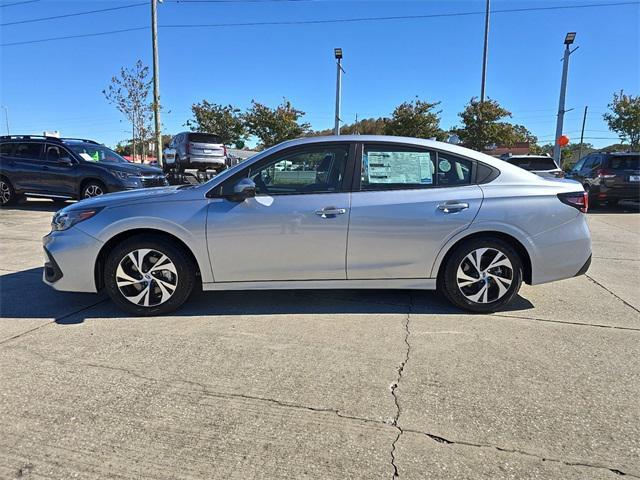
point(322, 384)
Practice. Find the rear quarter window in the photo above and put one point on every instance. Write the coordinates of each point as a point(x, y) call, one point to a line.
point(6, 149)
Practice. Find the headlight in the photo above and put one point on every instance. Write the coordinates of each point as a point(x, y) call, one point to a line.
point(65, 220)
point(126, 175)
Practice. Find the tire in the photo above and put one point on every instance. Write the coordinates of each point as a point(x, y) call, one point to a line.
point(92, 188)
point(7, 193)
point(459, 283)
point(130, 296)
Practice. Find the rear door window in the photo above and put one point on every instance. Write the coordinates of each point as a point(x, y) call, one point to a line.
point(28, 151)
point(392, 168)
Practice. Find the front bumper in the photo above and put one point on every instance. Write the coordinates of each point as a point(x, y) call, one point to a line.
point(70, 259)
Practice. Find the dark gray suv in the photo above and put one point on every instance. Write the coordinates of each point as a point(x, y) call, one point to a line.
point(67, 168)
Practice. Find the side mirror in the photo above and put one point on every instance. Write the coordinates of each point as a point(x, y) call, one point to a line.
point(245, 188)
point(66, 161)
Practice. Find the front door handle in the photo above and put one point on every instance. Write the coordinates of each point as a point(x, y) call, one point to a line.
point(453, 207)
point(328, 212)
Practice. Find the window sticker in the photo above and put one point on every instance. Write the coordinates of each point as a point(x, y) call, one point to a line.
point(445, 166)
point(398, 167)
point(87, 157)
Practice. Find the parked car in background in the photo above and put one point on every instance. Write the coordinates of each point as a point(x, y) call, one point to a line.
point(352, 211)
point(194, 150)
point(66, 168)
point(609, 177)
point(541, 165)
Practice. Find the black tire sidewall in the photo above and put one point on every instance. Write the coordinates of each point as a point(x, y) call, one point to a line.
point(450, 284)
point(182, 261)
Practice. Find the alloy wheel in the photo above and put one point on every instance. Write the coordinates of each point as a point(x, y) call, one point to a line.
point(484, 275)
point(5, 192)
point(93, 191)
point(146, 277)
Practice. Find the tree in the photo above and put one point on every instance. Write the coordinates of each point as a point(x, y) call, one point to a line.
point(366, 126)
point(223, 120)
point(624, 118)
point(274, 125)
point(483, 126)
point(129, 92)
point(415, 119)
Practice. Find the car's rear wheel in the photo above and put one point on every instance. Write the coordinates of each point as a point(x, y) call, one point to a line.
point(482, 275)
point(7, 193)
point(147, 275)
point(93, 189)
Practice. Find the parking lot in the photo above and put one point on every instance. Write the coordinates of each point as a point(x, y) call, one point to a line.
point(322, 384)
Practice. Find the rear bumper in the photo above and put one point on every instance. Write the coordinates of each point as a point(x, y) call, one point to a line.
point(617, 193)
point(561, 252)
point(205, 161)
point(70, 259)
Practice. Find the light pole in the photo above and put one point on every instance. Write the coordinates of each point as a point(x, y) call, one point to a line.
point(485, 52)
point(156, 81)
point(6, 117)
point(338, 54)
point(568, 40)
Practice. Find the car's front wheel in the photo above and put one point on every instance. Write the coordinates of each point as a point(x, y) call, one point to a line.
point(482, 275)
point(147, 275)
point(93, 189)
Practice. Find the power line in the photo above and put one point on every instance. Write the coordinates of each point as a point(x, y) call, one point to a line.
point(17, 3)
point(310, 22)
point(77, 14)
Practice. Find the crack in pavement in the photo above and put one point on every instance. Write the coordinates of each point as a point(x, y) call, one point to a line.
point(393, 424)
point(564, 322)
point(605, 288)
point(57, 319)
point(394, 388)
point(446, 441)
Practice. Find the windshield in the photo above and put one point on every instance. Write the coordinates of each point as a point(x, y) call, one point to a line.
point(92, 152)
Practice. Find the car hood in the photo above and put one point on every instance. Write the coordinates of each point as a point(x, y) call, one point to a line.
point(135, 168)
point(129, 196)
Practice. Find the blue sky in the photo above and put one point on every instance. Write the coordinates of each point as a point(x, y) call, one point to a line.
point(56, 85)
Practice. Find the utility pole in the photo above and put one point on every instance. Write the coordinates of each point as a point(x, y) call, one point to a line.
point(156, 81)
point(338, 54)
point(584, 120)
point(6, 117)
point(485, 52)
point(357, 130)
point(563, 91)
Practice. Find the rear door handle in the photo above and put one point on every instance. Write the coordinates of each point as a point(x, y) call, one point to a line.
point(45, 167)
point(453, 207)
point(327, 212)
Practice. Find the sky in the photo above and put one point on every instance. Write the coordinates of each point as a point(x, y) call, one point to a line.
point(57, 84)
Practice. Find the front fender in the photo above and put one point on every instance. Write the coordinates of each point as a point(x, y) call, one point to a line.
point(185, 221)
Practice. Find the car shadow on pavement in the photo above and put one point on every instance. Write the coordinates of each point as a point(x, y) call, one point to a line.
point(37, 206)
point(23, 295)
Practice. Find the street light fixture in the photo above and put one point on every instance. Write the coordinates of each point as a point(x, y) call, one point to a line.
point(337, 52)
point(568, 40)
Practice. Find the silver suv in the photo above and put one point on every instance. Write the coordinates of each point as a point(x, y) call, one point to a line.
point(329, 212)
point(193, 150)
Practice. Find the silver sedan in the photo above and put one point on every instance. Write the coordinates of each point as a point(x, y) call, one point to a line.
point(329, 212)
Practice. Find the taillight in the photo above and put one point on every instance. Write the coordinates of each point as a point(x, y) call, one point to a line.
point(187, 147)
point(604, 173)
point(224, 148)
point(579, 200)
